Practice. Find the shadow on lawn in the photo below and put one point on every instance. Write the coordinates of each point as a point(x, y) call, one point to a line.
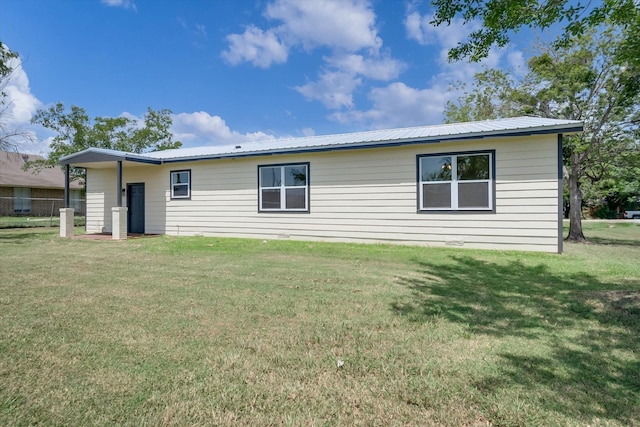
point(24, 236)
point(591, 327)
point(617, 242)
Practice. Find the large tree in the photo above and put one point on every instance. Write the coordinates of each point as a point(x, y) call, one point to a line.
point(75, 131)
point(584, 81)
point(500, 19)
point(619, 188)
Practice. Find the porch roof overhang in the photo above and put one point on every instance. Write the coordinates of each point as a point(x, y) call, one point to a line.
point(103, 158)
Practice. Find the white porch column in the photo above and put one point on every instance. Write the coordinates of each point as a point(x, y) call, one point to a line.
point(119, 223)
point(66, 222)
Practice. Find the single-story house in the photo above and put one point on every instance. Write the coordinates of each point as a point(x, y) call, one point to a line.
point(490, 184)
point(25, 192)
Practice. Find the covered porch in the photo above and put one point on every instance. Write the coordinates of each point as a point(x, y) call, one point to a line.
point(98, 158)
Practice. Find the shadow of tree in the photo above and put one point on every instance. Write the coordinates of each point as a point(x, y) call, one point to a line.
point(589, 368)
point(23, 237)
point(617, 242)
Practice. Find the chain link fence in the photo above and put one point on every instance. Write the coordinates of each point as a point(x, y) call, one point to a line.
point(37, 211)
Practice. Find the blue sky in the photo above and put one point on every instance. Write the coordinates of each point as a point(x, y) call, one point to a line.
point(233, 71)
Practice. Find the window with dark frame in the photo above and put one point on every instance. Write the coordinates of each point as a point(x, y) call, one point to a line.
point(21, 199)
point(456, 182)
point(283, 188)
point(181, 184)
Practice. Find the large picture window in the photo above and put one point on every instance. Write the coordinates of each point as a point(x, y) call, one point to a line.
point(456, 182)
point(284, 188)
point(181, 184)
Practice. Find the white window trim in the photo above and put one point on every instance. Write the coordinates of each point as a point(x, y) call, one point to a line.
point(454, 182)
point(188, 184)
point(283, 187)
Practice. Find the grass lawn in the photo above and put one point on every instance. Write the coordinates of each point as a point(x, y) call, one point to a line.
point(35, 221)
point(205, 331)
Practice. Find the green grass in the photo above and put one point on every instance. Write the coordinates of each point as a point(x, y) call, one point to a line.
point(205, 331)
point(34, 221)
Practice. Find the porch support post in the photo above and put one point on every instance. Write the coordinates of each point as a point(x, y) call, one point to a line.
point(119, 189)
point(67, 195)
point(66, 213)
point(119, 213)
point(119, 223)
point(66, 222)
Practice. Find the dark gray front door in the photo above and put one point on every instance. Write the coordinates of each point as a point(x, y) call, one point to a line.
point(135, 203)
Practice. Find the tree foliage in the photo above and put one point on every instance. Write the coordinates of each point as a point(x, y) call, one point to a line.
point(500, 19)
point(75, 131)
point(584, 81)
point(6, 55)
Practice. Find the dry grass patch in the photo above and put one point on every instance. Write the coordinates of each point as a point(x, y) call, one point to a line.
point(199, 331)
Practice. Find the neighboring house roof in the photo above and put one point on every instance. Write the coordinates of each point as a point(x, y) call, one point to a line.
point(518, 126)
point(12, 173)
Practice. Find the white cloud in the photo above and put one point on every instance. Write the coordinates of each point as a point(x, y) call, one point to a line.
point(346, 24)
point(356, 59)
point(344, 73)
point(34, 145)
point(261, 48)
point(346, 27)
point(413, 25)
point(125, 4)
point(418, 28)
point(200, 128)
point(201, 29)
point(381, 67)
point(517, 62)
point(20, 103)
point(19, 106)
point(308, 132)
point(399, 105)
point(445, 37)
point(333, 89)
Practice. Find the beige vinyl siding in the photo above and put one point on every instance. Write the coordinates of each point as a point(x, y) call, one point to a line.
point(371, 195)
point(365, 195)
point(100, 198)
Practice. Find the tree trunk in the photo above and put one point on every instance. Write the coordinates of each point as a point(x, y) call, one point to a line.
point(575, 209)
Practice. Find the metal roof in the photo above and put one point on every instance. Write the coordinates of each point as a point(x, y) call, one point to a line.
point(517, 126)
